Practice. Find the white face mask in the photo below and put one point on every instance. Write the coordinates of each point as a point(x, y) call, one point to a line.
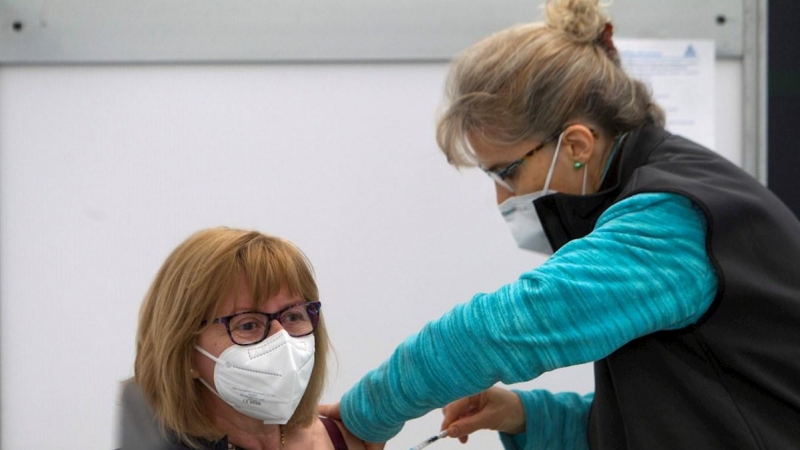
point(264, 381)
point(524, 223)
point(521, 216)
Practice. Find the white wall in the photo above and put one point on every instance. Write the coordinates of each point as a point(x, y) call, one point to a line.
point(104, 169)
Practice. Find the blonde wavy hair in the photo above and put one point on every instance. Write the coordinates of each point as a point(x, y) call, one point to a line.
point(530, 80)
point(189, 287)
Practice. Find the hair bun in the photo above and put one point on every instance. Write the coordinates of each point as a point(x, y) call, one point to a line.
point(582, 20)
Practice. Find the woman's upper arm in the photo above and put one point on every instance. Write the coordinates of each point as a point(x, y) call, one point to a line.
point(643, 269)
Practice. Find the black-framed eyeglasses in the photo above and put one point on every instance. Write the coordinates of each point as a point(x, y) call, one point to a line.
point(499, 175)
point(252, 327)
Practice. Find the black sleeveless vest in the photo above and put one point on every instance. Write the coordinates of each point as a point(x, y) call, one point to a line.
point(732, 380)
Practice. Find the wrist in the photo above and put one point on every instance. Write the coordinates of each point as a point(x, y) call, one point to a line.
point(515, 418)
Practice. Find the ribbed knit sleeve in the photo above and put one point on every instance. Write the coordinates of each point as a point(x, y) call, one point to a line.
point(552, 422)
point(644, 268)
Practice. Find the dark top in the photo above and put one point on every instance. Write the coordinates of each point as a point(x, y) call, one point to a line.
point(140, 431)
point(732, 380)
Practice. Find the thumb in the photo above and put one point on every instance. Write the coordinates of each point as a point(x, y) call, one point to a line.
point(332, 411)
point(456, 409)
point(466, 425)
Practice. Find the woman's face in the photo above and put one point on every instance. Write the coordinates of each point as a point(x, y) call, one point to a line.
point(578, 144)
point(215, 338)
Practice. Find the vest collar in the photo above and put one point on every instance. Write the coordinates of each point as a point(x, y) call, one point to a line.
point(566, 217)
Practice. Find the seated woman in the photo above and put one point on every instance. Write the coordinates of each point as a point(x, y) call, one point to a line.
point(231, 351)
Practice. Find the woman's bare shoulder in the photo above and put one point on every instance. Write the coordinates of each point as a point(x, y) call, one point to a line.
point(353, 443)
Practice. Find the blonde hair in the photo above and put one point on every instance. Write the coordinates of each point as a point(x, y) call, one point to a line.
point(189, 287)
point(532, 79)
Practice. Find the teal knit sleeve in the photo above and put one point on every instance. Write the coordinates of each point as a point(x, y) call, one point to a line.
point(644, 268)
point(552, 422)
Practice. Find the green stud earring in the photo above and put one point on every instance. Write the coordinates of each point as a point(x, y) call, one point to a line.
point(577, 165)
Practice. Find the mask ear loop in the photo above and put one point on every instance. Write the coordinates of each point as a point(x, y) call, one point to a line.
point(585, 171)
point(552, 165)
point(217, 360)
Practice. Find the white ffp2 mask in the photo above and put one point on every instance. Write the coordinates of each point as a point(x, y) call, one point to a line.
point(264, 381)
point(522, 218)
point(524, 223)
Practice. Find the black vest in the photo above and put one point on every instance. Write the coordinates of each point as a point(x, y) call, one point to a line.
point(732, 380)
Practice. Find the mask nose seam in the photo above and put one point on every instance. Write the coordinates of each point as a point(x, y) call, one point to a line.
point(258, 352)
point(245, 369)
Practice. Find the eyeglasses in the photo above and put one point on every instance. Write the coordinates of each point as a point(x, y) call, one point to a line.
point(252, 327)
point(499, 176)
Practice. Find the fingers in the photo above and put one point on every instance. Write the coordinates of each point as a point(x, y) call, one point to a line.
point(469, 424)
point(455, 410)
point(494, 409)
point(456, 415)
point(332, 411)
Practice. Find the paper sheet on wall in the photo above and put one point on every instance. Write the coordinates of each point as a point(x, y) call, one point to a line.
point(681, 76)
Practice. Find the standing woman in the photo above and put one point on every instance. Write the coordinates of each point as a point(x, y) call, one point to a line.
point(673, 270)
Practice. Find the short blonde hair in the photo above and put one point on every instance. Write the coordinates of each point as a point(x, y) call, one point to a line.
point(532, 79)
point(189, 287)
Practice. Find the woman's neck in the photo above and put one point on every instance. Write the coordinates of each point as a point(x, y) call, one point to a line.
point(246, 432)
point(612, 149)
point(270, 438)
